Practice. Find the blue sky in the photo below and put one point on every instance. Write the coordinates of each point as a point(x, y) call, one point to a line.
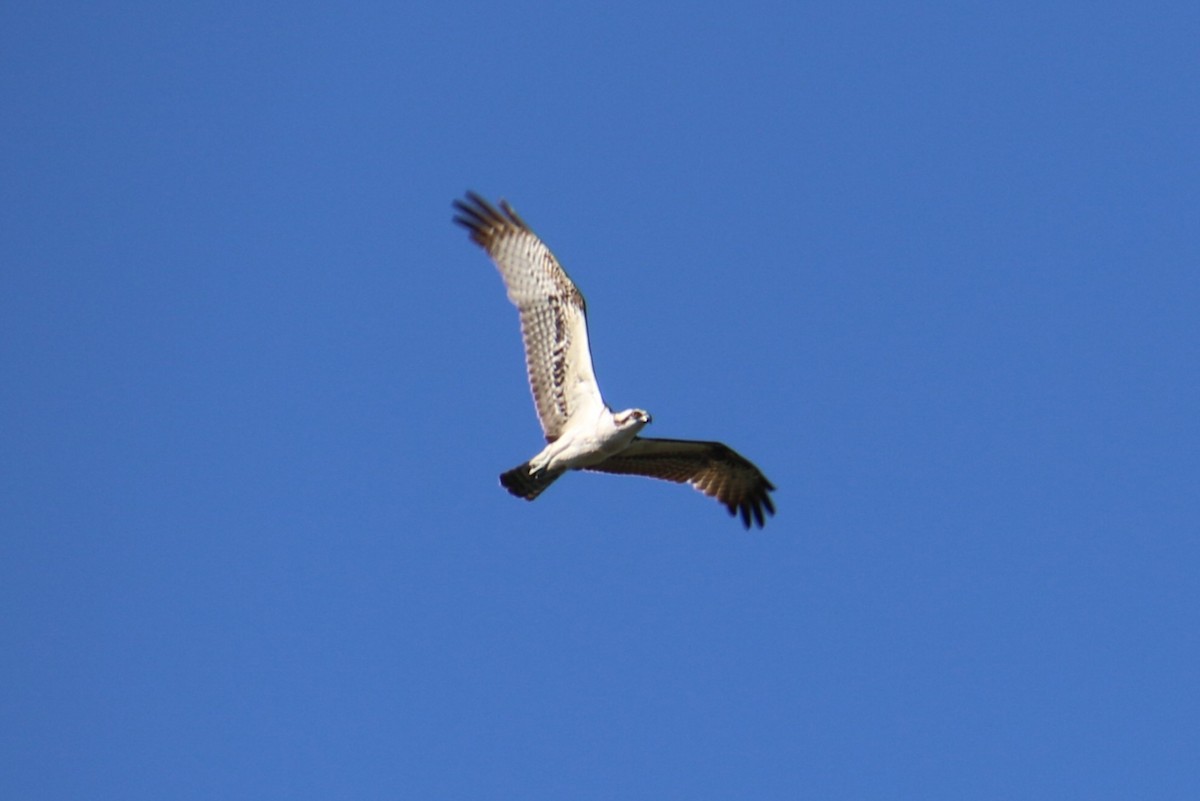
point(932, 266)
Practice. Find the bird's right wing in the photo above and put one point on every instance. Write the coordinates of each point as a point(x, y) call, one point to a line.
point(553, 313)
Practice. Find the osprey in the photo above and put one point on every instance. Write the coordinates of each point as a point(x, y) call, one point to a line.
point(581, 431)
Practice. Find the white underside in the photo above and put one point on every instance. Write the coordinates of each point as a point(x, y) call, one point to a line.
point(584, 443)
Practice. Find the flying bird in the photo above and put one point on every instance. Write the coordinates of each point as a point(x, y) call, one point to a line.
point(582, 432)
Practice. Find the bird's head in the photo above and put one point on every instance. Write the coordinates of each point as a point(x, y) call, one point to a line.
point(632, 418)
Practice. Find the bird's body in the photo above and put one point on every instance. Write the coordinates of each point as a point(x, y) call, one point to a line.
point(582, 432)
point(589, 442)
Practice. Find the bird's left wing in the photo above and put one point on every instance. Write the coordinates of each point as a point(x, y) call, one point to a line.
point(711, 467)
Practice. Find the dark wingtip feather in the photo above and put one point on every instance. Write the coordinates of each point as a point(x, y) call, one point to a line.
point(758, 507)
point(512, 215)
point(479, 217)
point(479, 203)
point(483, 220)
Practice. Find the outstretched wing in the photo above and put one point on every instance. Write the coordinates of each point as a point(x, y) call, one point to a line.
point(715, 469)
point(553, 313)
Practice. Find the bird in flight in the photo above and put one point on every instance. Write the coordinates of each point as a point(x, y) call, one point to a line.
point(582, 433)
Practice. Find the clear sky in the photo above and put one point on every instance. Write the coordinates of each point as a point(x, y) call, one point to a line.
point(934, 267)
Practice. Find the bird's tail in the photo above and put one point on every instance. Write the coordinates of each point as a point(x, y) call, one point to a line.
point(520, 482)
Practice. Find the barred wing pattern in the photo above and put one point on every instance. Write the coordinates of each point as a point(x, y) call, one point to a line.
point(553, 313)
point(711, 467)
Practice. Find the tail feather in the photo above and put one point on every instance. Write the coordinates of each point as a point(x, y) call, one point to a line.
point(520, 482)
